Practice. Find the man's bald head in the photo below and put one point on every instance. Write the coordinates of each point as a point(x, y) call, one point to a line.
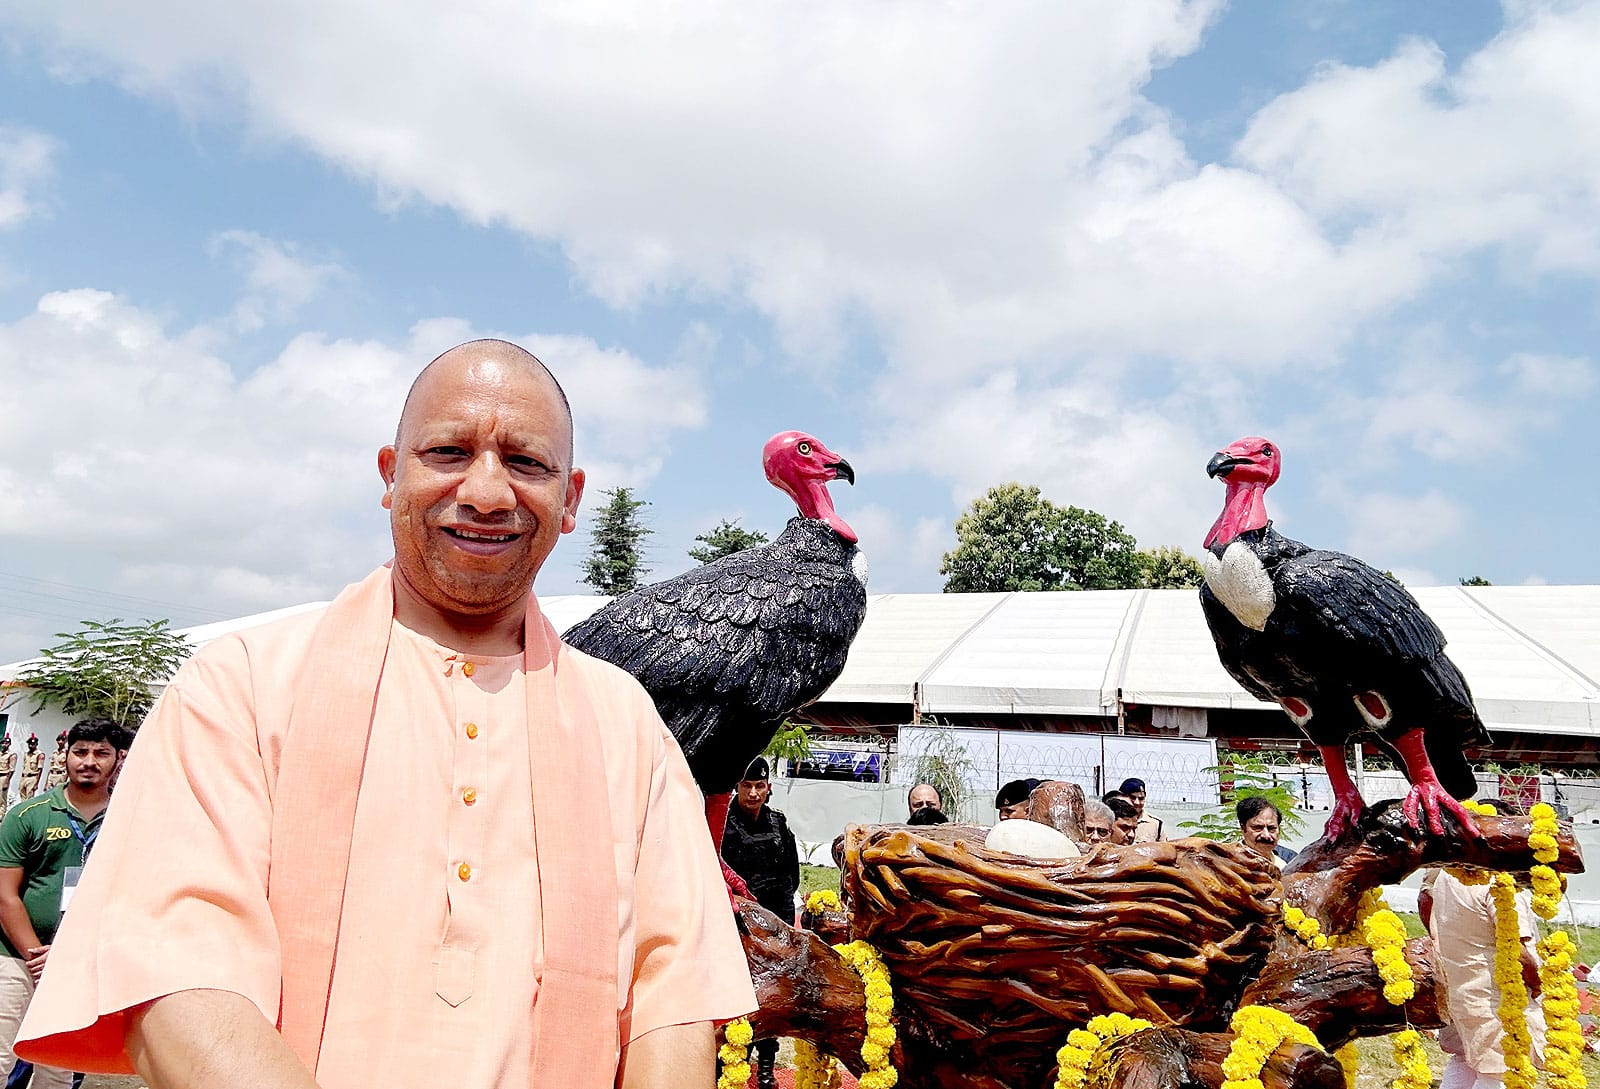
point(487, 349)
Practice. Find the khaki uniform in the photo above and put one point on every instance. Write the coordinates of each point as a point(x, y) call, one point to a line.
point(58, 771)
point(8, 771)
point(32, 772)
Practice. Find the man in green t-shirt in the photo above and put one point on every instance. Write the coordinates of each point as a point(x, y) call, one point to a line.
point(43, 844)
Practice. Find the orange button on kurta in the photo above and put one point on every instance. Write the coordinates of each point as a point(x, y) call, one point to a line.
point(469, 795)
point(464, 872)
point(472, 731)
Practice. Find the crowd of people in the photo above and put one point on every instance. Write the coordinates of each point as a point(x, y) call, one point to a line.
point(1118, 817)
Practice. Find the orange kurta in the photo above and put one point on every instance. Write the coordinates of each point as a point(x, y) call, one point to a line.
point(440, 941)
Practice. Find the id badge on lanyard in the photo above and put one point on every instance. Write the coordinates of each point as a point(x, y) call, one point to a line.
point(72, 874)
point(69, 885)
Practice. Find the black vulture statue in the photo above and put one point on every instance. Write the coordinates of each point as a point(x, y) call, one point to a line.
point(1342, 648)
point(729, 649)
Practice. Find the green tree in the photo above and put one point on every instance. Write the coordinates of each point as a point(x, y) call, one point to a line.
point(1012, 538)
point(1169, 568)
point(726, 539)
point(106, 670)
point(1475, 580)
point(1244, 776)
point(615, 564)
point(792, 742)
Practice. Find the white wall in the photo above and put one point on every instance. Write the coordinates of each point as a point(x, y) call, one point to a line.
point(47, 724)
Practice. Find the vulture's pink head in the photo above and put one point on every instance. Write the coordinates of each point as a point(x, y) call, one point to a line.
point(1251, 460)
point(802, 467)
point(1248, 467)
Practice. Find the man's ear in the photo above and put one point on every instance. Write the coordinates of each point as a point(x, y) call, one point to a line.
point(387, 460)
point(569, 509)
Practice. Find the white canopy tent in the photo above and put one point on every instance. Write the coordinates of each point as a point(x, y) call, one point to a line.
point(1530, 653)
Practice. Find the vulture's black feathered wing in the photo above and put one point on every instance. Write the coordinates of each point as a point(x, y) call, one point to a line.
point(1338, 628)
point(728, 649)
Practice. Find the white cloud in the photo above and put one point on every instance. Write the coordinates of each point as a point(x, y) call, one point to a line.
point(620, 407)
point(1551, 375)
point(1503, 152)
point(980, 185)
point(279, 280)
point(1085, 443)
point(1412, 577)
point(902, 553)
point(1451, 409)
point(27, 159)
point(1387, 524)
point(142, 456)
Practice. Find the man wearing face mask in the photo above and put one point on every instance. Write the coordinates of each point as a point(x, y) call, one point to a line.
point(759, 847)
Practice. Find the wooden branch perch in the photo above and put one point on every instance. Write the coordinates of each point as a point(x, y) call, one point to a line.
point(995, 957)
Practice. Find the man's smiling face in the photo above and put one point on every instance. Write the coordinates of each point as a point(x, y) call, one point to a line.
point(480, 483)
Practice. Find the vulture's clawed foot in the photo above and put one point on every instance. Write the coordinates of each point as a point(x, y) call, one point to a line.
point(1427, 798)
point(1345, 820)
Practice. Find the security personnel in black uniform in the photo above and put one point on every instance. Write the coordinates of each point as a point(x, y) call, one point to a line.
point(759, 847)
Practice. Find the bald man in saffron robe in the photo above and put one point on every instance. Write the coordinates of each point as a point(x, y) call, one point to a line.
point(412, 837)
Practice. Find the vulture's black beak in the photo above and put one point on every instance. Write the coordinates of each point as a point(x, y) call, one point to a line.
point(1221, 463)
point(842, 471)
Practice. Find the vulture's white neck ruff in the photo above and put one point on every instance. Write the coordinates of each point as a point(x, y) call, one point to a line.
point(1242, 584)
point(858, 566)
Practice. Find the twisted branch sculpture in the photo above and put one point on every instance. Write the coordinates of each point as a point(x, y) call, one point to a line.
point(996, 957)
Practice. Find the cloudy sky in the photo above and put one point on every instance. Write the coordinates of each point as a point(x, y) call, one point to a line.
point(1080, 245)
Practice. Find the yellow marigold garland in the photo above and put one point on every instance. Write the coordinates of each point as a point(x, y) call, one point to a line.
point(881, 1073)
point(1258, 1032)
point(1412, 1061)
point(1515, 1042)
point(1385, 935)
point(822, 900)
point(1559, 1000)
point(1381, 930)
point(735, 1054)
point(1473, 876)
point(1072, 1061)
point(813, 1069)
point(1304, 927)
point(1558, 989)
point(1542, 840)
point(1349, 1057)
